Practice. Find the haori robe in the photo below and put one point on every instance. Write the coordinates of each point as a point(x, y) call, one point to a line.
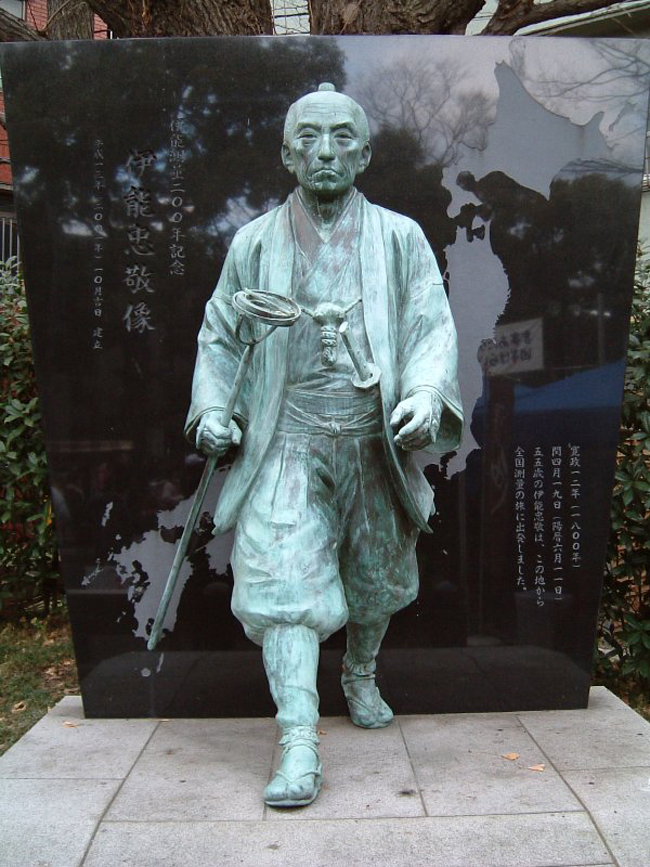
point(322, 537)
point(408, 326)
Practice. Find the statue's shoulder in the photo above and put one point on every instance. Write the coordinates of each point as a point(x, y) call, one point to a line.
point(256, 229)
point(393, 222)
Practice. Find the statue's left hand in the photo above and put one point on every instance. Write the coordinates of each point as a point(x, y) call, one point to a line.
point(421, 412)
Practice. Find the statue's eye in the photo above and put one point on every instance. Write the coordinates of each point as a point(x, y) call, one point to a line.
point(307, 136)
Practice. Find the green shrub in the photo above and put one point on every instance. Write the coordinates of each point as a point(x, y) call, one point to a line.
point(27, 545)
point(625, 624)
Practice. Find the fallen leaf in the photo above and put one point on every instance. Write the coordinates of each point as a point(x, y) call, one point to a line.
point(19, 707)
point(321, 732)
point(70, 725)
point(537, 767)
point(510, 756)
point(52, 676)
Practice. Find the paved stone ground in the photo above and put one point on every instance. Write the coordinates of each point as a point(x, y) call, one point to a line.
point(428, 791)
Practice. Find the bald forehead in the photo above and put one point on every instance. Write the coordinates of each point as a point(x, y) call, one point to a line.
point(323, 105)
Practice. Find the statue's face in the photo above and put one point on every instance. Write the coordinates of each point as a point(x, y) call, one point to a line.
point(325, 148)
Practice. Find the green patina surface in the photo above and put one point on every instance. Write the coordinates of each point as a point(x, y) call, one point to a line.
point(324, 493)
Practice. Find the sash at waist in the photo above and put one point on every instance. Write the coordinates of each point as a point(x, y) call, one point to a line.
point(331, 413)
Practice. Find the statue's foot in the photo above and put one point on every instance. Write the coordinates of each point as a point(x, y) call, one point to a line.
point(367, 707)
point(298, 780)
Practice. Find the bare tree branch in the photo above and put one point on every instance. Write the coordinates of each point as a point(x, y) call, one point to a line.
point(392, 16)
point(423, 100)
point(512, 15)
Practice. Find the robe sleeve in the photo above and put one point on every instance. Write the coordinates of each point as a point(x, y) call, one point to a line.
point(219, 350)
point(428, 351)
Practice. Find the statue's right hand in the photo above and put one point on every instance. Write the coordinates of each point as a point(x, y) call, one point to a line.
point(212, 438)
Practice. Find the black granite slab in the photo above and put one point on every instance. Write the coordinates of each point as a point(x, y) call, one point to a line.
point(134, 164)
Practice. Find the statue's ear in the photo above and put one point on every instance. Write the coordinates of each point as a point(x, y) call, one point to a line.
point(366, 156)
point(287, 159)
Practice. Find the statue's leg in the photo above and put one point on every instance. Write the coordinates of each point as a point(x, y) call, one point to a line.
point(291, 661)
point(367, 707)
point(379, 572)
point(288, 596)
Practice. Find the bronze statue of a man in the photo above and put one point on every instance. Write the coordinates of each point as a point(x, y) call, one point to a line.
point(324, 493)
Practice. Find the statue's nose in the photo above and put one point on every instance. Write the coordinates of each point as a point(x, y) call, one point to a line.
point(325, 151)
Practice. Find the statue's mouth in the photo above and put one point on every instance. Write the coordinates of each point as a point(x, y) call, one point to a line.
point(326, 174)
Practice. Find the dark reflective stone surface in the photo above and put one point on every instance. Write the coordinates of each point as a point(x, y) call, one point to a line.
point(134, 164)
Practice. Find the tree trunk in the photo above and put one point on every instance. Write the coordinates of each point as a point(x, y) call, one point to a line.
point(253, 17)
point(512, 15)
point(12, 29)
point(393, 16)
point(69, 19)
point(185, 17)
point(437, 16)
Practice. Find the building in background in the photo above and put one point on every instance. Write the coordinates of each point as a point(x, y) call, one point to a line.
point(290, 16)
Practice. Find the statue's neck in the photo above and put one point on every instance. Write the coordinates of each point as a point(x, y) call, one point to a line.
point(324, 212)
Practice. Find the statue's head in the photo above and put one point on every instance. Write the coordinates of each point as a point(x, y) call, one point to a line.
point(326, 142)
point(466, 181)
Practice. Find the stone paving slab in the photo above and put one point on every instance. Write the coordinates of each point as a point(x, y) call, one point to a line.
point(608, 734)
point(64, 745)
point(469, 749)
point(561, 840)
point(601, 698)
point(200, 769)
point(618, 800)
point(428, 791)
point(49, 823)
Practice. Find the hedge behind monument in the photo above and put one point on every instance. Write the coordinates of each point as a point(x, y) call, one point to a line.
point(27, 542)
point(625, 607)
